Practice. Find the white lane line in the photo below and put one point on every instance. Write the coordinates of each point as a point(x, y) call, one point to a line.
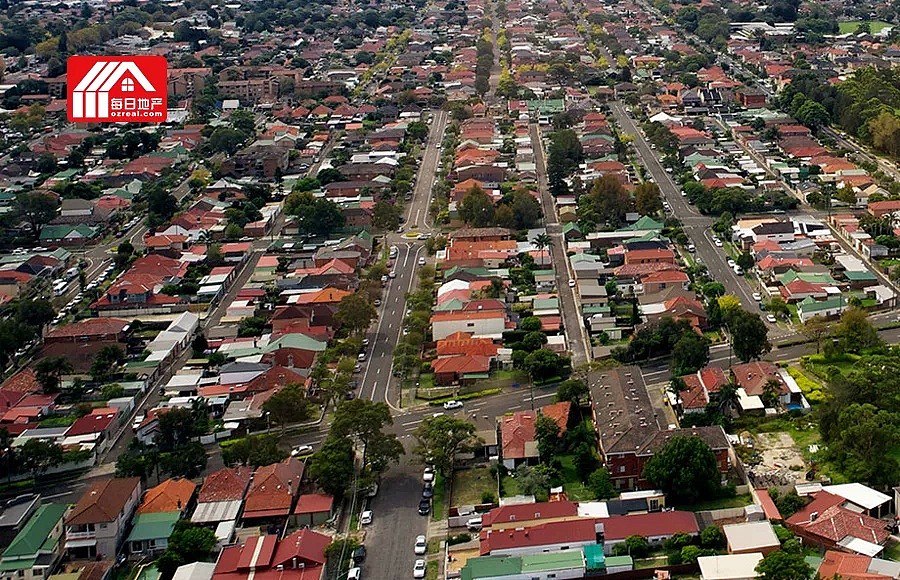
point(408, 423)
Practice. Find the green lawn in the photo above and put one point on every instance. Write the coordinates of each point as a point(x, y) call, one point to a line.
point(440, 494)
point(721, 503)
point(571, 483)
point(509, 486)
point(892, 552)
point(645, 563)
point(819, 364)
point(848, 27)
point(470, 484)
point(431, 570)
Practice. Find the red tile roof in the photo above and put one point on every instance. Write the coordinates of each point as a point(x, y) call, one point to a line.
point(835, 522)
point(172, 495)
point(559, 412)
point(24, 381)
point(273, 489)
point(313, 503)
point(227, 484)
point(103, 501)
point(307, 546)
point(91, 424)
point(515, 431)
point(461, 364)
point(528, 512)
point(845, 566)
point(651, 524)
point(582, 531)
point(89, 327)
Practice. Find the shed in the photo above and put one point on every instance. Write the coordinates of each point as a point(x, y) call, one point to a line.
point(751, 537)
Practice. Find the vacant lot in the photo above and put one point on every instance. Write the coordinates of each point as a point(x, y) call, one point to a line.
point(469, 485)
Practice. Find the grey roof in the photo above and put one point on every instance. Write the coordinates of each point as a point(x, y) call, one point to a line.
point(217, 511)
point(17, 510)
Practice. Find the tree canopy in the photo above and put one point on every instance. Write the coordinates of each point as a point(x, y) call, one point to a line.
point(685, 469)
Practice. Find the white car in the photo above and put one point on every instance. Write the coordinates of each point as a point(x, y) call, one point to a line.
point(757, 296)
point(366, 518)
point(419, 569)
point(393, 274)
point(450, 405)
point(355, 573)
point(771, 318)
point(301, 450)
point(421, 261)
point(691, 248)
point(731, 263)
point(428, 475)
point(718, 243)
point(571, 283)
point(421, 545)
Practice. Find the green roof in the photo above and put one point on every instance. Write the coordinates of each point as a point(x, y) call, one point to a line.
point(450, 305)
point(810, 305)
point(35, 536)
point(562, 560)
point(546, 106)
point(66, 174)
point(545, 303)
point(582, 257)
point(855, 275)
point(59, 232)
point(296, 340)
point(812, 277)
point(645, 223)
point(594, 557)
point(491, 567)
point(153, 526)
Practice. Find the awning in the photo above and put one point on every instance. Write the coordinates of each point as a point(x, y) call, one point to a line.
point(80, 543)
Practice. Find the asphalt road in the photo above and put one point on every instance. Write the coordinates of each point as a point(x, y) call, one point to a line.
point(576, 335)
point(697, 226)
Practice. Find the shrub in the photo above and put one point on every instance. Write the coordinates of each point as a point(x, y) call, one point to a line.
point(488, 497)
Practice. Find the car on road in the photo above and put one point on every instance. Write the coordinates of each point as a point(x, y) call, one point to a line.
point(691, 248)
point(428, 491)
point(718, 243)
point(355, 573)
point(372, 491)
point(771, 318)
point(301, 450)
point(422, 261)
point(393, 274)
point(359, 555)
point(400, 230)
point(738, 270)
point(384, 279)
point(757, 296)
point(377, 302)
point(731, 263)
point(421, 545)
point(572, 283)
point(357, 368)
point(474, 524)
point(424, 507)
point(361, 357)
point(419, 569)
point(450, 405)
point(428, 475)
point(365, 342)
point(366, 518)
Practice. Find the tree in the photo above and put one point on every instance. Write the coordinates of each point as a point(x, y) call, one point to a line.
point(533, 341)
point(36, 208)
point(544, 364)
point(542, 242)
point(106, 362)
point(187, 543)
point(355, 313)
point(476, 208)
point(862, 446)
point(439, 439)
point(315, 216)
point(177, 427)
point(748, 335)
point(690, 354)
point(199, 345)
point(49, 372)
point(855, 332)
point(600, 483)
point(585, 460)
point(288, 405)
point(37, 456)
point(781, 565)
point(575, 391)
point(647, 200)
point(745, 261)
point(635, 546)
point(253, 451)
point(530, 324)
point(187, 460)
point(547, 433)
point(385, 215)
point(533, 479)
point(712, 537)
point(727, 399)
point(685, 469)
point(365, 421)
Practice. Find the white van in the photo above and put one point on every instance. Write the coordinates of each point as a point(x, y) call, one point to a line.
point(355, 573)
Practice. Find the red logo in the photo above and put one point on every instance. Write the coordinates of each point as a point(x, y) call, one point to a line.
point(116, 89)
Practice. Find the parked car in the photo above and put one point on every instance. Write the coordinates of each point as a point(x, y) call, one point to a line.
point(359, 555)
point(421, 545)
point(757, 296)
point(450, 405)
point(366, 518)
point(474, 524)
point(419, 569)
point(301, 450)
point(771, 318)
point(718, 243)
point(428, 475)
point(424, 507)
point(355, 573)
point(422, 261)
point(428, 491)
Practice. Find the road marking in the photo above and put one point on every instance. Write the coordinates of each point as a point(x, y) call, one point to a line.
point(513, 408)
point(544, 396)
point(416, 422)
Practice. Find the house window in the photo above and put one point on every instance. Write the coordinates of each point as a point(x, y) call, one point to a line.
point(621, 469)
point(127, 85)
point(102, 526)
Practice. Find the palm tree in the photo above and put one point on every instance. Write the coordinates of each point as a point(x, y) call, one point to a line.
point(49, 372)
point(542, 242)
point(728, 399)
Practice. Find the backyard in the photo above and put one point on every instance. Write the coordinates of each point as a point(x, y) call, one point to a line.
point(471, 486)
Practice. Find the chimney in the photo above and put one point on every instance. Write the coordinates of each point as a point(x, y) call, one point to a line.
point(813, 516)
point(290, 361)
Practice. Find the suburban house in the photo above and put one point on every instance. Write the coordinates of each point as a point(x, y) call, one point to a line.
point(172, 495)
point(222, 496)
point(300, 555)
point(272, 492)
point(96, 525)
point(480, 323)
point(518, 443)
point(150, 532)
point(830, 521)
point(35, 551)
point(762, 384)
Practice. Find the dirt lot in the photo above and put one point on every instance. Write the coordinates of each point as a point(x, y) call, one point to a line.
point(780, 460)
